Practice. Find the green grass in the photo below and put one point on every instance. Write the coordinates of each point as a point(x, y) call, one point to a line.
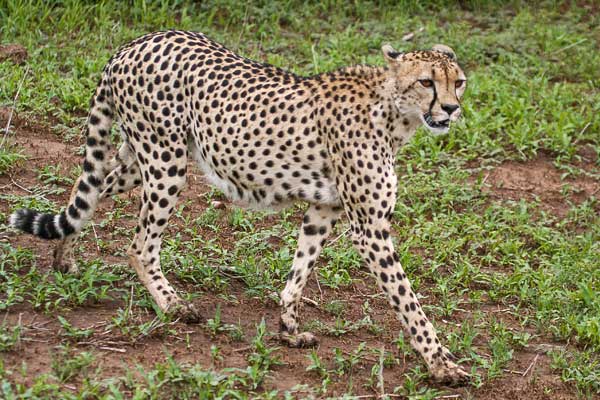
point(534, 88)
point(9, 158)
point(10, 336)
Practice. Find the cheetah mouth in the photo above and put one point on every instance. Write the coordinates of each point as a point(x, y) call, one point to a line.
point(436, 125)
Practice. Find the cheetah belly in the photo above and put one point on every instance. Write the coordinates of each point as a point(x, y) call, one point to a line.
point(224, 185)
point(269, 191)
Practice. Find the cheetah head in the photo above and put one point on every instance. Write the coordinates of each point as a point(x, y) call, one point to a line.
point(426, 86)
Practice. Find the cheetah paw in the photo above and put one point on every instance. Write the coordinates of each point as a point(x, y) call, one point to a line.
point(63, 261)
point(65, 267)
point(186, 312)
point(445, 371)
point(299, 340)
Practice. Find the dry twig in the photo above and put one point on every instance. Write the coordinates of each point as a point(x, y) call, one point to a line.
point(12, 108)
point(242, 349)
point(533, 362)
point(381, 383)
point(115, 349)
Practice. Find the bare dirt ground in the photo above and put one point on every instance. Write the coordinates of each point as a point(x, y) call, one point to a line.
point(510, 180)
point(539, 180)
point(13, 52)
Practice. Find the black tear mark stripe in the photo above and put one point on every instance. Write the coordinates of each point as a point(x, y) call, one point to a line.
point(434, 93)
point(455, 90)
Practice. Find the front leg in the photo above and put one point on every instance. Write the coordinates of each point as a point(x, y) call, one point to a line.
point(369, 195)
point(318, 222)
point(375, 245)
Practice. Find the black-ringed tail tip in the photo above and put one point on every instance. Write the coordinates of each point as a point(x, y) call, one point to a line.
point(45, 226)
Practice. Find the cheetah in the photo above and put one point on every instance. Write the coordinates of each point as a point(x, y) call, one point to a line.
point(266, 138)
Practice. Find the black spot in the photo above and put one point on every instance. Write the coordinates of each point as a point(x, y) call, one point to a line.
point(92, 180)
point(94, 120)
point(310, 230)
point(401, 290)
point(81, 203)
point(83, 187)
point(383, 277)
point(73, 213)
point(98, 155)
point(88, 166)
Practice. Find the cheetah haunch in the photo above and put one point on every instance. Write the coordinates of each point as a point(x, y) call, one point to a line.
point(266, 138)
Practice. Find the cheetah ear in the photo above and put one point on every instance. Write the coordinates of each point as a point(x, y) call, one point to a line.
point(442, 48)
point(389, 53)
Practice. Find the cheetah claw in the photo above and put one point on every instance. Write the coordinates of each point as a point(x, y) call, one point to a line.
point(299, 340)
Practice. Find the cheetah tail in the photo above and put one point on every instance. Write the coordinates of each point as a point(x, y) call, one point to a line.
point(86, 192)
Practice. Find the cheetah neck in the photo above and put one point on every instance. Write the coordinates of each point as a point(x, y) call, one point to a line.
point(365, 89)
point(399, 125)
point(399, 122)
point(368, 72)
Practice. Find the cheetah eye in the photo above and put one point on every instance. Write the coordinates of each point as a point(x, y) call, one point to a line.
point(459, 83)
point(426, 82)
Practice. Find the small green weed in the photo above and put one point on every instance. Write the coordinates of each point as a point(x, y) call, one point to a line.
point(66, 365)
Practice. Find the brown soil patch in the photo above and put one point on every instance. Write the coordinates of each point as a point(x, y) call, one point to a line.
point(14, 53)
point(540, 180)
point(43, 332)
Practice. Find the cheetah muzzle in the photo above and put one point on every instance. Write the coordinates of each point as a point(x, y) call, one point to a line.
point(444, 124)
point(267, 138)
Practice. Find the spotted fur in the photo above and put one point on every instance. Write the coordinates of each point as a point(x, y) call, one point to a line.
point(266, 138)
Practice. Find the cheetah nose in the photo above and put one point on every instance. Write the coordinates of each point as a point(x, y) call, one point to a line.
point(450, 108)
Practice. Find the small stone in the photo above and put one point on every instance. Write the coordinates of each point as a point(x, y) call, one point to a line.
point(219, 205)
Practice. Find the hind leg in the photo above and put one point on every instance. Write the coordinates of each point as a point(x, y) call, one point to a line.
point(124, 176)
point(63, 259)
point(162, 183)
